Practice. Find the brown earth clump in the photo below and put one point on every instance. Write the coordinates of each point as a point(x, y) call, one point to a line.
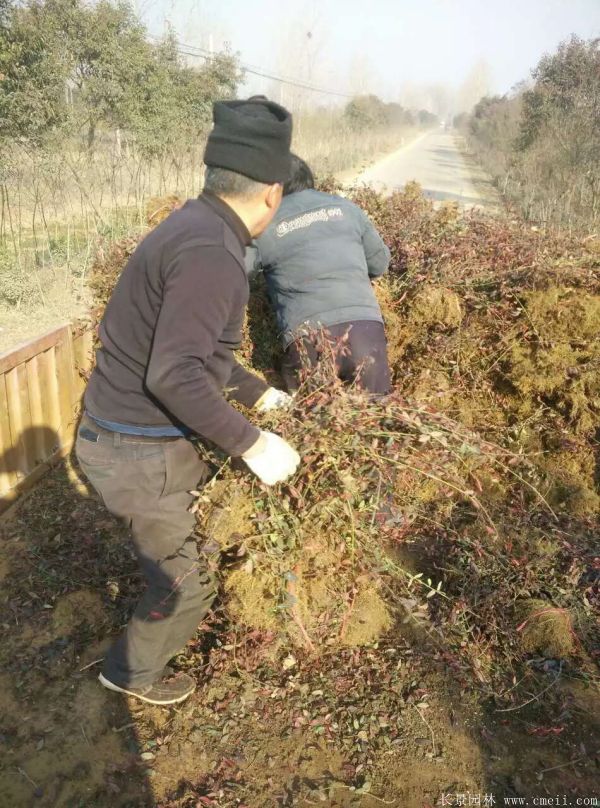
point(252, 599)
point(560, 361)
point(435, 306)
point(231, 515)
point(546, 629)
point(368, 620)
point(159, 207)
point(571, 480)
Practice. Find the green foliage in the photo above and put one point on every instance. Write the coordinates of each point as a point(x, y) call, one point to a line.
point(486, 121)
point(69, 68)
point(365, 111)
point(112, 60)
point(369, 111)
point(398, 116)
point(33, 73)
point(426, 118)
point(493, 126)
point(94, 118)
point(15, 285)
point(461, 120)
point(542, 143)
point(175, 102)
point(567, 84)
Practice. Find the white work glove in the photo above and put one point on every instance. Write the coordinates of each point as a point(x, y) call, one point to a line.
point(273, 399)
point(271, 458)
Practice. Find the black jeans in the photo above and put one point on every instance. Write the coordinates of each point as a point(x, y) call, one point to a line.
point(147, 484)
point(364, 361)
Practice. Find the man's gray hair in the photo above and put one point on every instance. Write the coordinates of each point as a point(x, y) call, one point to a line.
point(222, 182)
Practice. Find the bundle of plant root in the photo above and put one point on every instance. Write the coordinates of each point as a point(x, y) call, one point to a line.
point(320, 559)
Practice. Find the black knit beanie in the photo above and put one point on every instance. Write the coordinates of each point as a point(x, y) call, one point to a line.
point(252, 138)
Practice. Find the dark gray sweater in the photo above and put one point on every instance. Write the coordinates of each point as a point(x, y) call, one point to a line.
point(318, 256)
point(170, 329)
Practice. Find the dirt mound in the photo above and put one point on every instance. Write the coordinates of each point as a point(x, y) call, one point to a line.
point(252, 599)
point(316, 558)
point(492, 328)
point(369, 618)
point(495, 325)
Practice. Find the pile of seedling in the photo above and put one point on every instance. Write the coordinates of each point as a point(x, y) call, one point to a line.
point(466, 502)
point(319, 556)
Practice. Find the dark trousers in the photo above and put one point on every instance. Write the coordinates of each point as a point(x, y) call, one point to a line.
point(147, 483)
point(363, 359)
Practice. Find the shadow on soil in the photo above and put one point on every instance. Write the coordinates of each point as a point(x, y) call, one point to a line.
point(67, 581)
point(396, 722)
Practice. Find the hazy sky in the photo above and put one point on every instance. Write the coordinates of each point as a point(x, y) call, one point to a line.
point(391, 43)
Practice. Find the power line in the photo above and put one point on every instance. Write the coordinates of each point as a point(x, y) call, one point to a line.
point(202, 53)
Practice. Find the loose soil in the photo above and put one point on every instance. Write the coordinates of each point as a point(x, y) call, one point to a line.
point(396, 720)
point(489, 686)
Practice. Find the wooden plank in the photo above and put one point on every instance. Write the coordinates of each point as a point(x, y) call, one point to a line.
point(8, 477)
point(15, 418)
point(49, 388)
point(67, 394)
point(27, 435)
point(77, 388)
point(45, 439)
point(24, 352)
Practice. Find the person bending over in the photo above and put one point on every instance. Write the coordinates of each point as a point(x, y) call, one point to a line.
point(164, 372)
point(318, 257)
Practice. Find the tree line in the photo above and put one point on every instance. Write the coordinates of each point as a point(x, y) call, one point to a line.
point(69, 69)
point(541, 143)
point(369, 111)
point(96, 117)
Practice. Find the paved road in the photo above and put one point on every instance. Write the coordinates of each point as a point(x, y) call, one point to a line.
point(436, 162)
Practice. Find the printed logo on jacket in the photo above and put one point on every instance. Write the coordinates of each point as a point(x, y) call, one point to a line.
point(321, 215)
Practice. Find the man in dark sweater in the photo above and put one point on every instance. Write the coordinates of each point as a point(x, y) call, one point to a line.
point(163, 374)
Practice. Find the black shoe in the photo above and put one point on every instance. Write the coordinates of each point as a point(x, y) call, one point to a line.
point(170, 690)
